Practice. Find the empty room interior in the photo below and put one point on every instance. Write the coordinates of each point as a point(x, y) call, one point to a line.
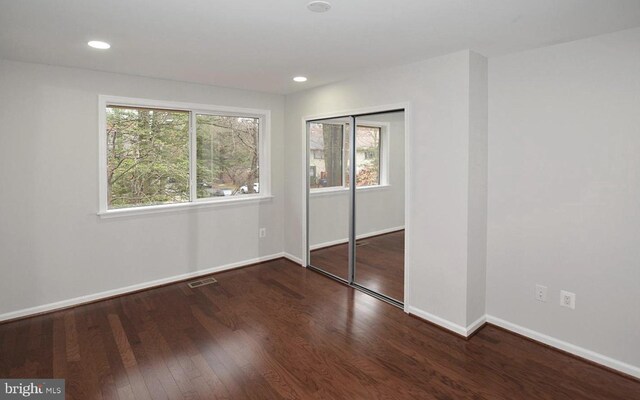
point(294, 199)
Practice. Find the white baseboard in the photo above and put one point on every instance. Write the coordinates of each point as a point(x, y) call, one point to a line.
point(293, 258)
point(568, 347)
point(581, 352)
point(362, 236)
point(328, 244)
point(145, 285)
point(459, 329)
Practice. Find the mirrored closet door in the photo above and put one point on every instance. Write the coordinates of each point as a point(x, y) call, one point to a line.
point(328, 200)
point(355, 227)
point(379, 204)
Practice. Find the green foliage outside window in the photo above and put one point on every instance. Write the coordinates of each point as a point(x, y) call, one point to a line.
point(147, 156)
point(227, 159)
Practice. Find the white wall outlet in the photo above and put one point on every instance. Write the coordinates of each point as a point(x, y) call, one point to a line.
point(567, 299)
point(541, 293)
point(262, 232)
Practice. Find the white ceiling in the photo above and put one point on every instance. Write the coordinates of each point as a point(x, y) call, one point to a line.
point(261, 45)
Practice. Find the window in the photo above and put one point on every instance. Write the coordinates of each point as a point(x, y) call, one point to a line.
point(158, 154)
point(227, 155)
point(332, 170)
point(147, 156)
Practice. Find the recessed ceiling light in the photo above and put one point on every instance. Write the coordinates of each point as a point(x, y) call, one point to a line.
point(319, 6)
point(300, 79)
point(96, 44)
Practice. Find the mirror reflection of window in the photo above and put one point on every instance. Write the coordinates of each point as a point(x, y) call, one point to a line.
point(329, 155)
point(326, 143)
point(367, 156)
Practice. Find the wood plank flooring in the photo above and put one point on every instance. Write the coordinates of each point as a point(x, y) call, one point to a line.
point(379, 263)
point(279, 331)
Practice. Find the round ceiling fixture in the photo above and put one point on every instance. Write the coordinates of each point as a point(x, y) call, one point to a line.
point(319, 6)
point(97, 44)
point(300, 79)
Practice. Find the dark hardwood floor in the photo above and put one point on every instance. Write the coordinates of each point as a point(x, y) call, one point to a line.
point(379, 263)
point(279, 331)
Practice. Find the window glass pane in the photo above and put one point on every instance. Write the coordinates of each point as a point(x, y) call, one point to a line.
point(367, 155)
point(147, 156)
point(326, 155)
point(227, 155)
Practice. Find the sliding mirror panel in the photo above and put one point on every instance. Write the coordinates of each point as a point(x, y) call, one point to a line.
point(328, 196)
point(379, 203)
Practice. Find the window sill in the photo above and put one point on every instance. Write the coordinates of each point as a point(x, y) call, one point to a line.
point(343, 190)
point(182, 207)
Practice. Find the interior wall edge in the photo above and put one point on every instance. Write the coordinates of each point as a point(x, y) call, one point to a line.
point(477, 210)
point(77, 301)
point(581, 352)
point(475, 326)
point(293, 258)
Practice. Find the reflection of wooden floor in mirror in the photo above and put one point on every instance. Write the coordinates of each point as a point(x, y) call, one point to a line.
point(379, 263)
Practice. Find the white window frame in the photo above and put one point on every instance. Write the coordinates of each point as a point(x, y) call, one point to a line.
point(384, 160)
point(264, 154)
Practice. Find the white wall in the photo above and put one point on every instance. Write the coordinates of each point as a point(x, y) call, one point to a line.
point(378, 209)
point(53, 246)
point(438, 91)
point(564, 191)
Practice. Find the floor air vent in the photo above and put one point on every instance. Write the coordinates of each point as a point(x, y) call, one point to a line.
point(201, 282)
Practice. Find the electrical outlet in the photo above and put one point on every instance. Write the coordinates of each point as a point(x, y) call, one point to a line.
point(541, 293)
point(262, 232)
point(567, 299)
